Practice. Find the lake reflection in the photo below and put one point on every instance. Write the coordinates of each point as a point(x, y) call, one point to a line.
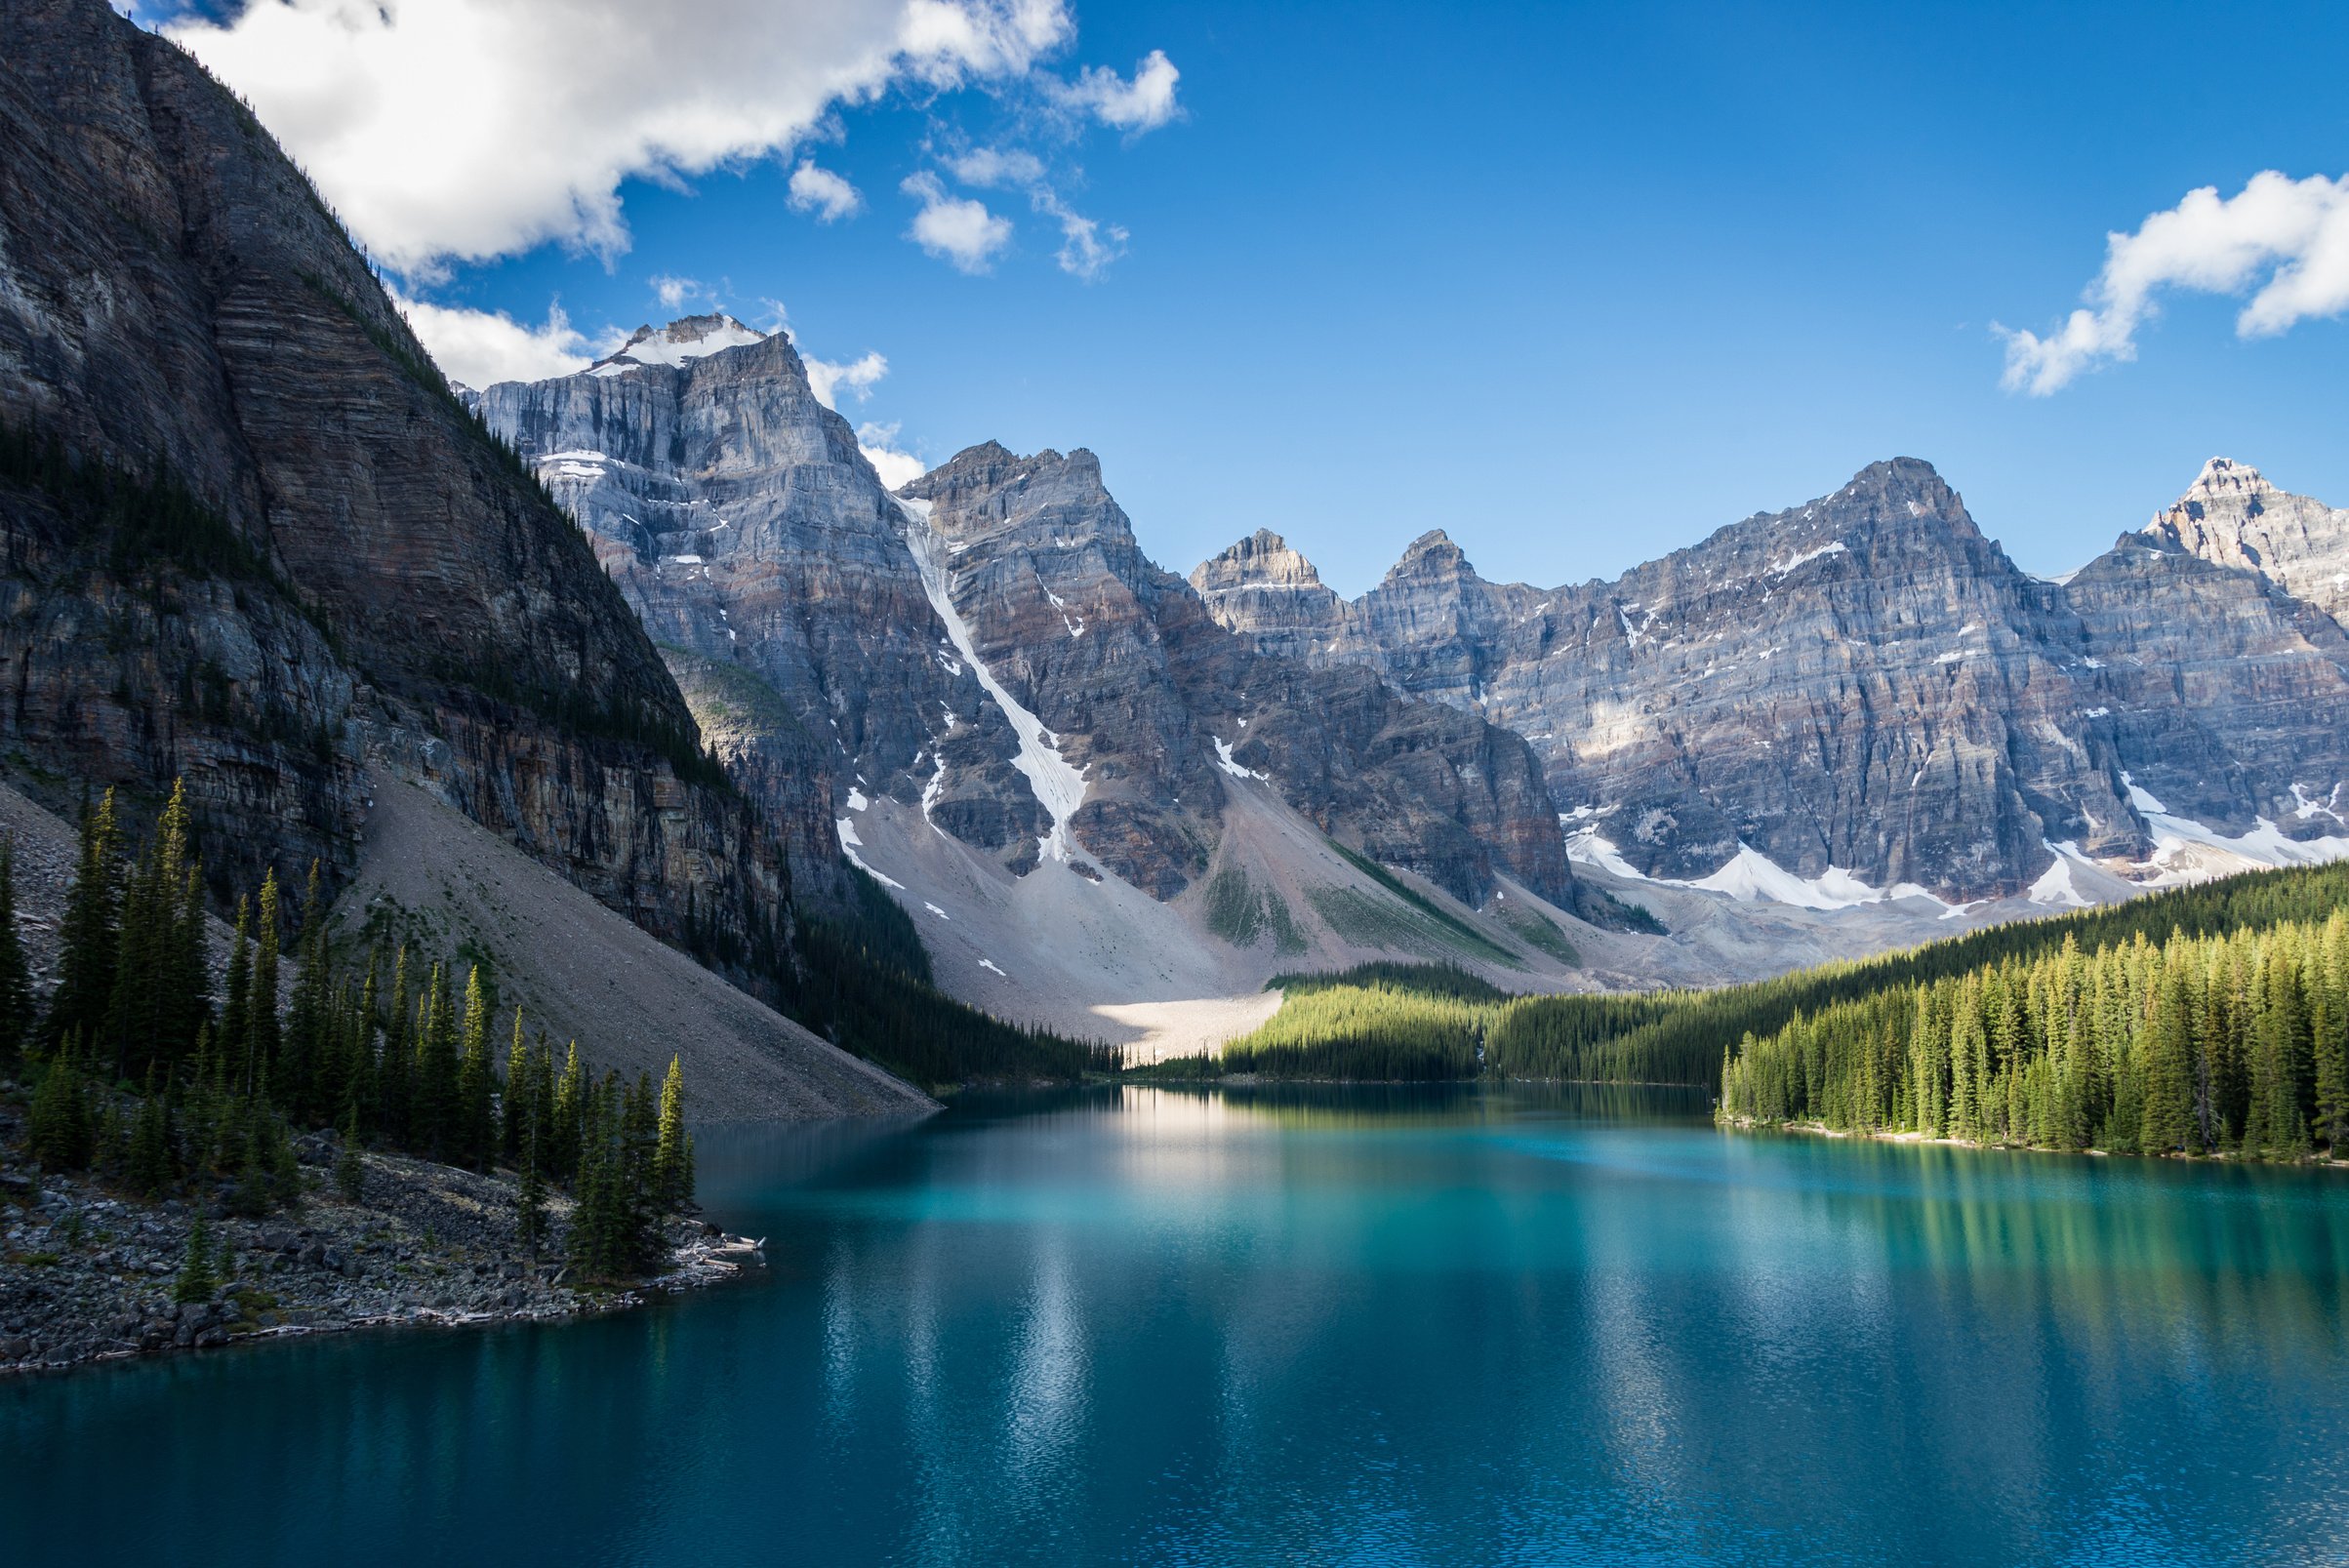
point(1310, 1325)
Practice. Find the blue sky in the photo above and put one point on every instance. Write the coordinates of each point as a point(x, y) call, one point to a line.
point(1577, 283)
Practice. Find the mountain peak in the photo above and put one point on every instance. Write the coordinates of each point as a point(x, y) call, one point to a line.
point(2225, 489)
point(1432, 554)
point(1911, 481)
point(1263, 559)
point(2224, 476)
point(684, 339)
point(2233, 516)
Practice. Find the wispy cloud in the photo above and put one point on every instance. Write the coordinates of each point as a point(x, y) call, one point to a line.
point(1087, 245)
point(954, 229)
point(2284, 241)
point(829, 196)
point(994, 167)
point(675, 292)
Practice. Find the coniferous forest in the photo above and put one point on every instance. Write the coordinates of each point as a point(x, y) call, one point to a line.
point(2234, 1042)
point(2202, 1020)
point(143, 1076)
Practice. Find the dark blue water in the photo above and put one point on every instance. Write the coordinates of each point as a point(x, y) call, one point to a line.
point(1345, 1327)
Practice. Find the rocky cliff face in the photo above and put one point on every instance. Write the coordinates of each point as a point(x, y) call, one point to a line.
point(2232, 518)
point(1867, 685)
point(1148, 699)
point(253, 538)
point(2225, 698)
point(736, 514)
point(992, 649)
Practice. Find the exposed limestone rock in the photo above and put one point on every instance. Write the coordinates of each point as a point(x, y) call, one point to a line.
point(2231, 516)
point(1868, 684)
point(737, 515)
point(1046, 656)
point(1152, 700)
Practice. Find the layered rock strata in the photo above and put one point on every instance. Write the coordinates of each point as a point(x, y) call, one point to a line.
point(1867, 686)
point(254, 541)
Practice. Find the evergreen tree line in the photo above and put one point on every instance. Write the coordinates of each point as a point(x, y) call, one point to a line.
point(138, 519)
point(2233, 1042)
point(1379, 1030)
point(1424, 1022)
point(382, 1050)
point(1677, 1037)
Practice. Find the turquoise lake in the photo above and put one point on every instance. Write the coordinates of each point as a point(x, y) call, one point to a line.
point(1342, 1326)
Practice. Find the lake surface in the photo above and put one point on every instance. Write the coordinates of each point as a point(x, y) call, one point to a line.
point(1359, 1326)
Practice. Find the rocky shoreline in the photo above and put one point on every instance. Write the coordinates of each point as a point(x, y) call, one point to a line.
point(88, 1275)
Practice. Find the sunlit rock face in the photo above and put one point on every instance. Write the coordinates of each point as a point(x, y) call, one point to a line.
point(1866, 684)
point(992, 646)
point(1156, 703)
point(2232, 518)
point(738, 518)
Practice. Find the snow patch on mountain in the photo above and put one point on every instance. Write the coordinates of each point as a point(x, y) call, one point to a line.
point(1782, 568)
point(850, 844)
point(2055, 886)
point(1222, 760)
point(1059, 786)
point(1750, 878)
point(2187, 851)
point(693, 338)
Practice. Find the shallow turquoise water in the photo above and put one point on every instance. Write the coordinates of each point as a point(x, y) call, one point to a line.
point(1338, 1327)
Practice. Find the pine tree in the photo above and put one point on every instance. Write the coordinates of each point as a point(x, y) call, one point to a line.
point(237, 1019)
point(16, 974)
point(301, 1074)
point(592, 1241)
point(672, 1155)
point(477, 1126)
point(394, 1068)
point(2329, 1049)
point(572, 1094)
point(2168, 1115)
point(530, 1202)
point(196, 1281)
point(262, 1031)
point(90, 937)
point(515, 1101)
point(147, 1169)
point(60, 1132)
point(351, 1172)
point(439, 1110)
point(639, 1209)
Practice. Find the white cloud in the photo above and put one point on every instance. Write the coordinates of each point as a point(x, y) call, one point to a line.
point(1143, 103)
point(481, 349)
point(990, 166)
point(471, 129)
point(1087, 246)
point(897, 468)
point(827, 195)
point(675, 292)
point(2290, 238)
point(954, 229)
point(826, 380)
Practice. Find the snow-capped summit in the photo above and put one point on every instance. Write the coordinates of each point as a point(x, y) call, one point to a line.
point(689, 337)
